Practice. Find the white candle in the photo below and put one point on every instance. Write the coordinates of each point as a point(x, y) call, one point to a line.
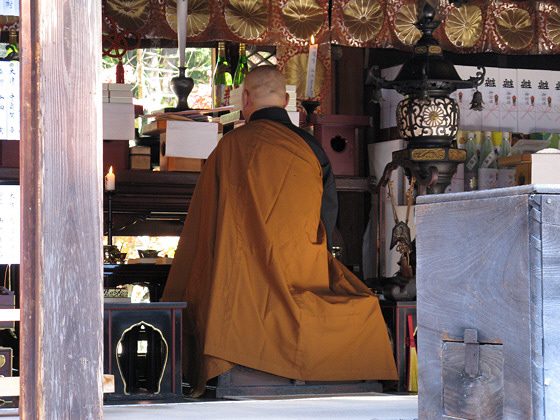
point(110, 180)
point(182, 29)
point(311, 66)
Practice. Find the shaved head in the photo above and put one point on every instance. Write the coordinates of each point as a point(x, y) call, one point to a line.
point(264, 86)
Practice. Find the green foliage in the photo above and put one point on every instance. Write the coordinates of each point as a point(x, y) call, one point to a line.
point(150, 72)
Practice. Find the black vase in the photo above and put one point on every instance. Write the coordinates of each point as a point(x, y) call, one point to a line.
point(182, 87)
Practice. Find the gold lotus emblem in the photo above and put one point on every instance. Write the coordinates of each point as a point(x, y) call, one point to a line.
point(303, 18)
point(129, 14)
point(433, 115)
point(463, 25)
point(515, 28)
point(363, 19)
point(198, 16)
point(247, 18)
point(553, 27)
point(404, 24)
point(295, 71)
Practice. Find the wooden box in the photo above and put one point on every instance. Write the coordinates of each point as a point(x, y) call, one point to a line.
point(115, 154)
point(170, 163)
point(118, 121)
point(142, 349)
point(140, 157)
point(536, 168)
point(339, 136)
point(140, 162)
point(488, 278)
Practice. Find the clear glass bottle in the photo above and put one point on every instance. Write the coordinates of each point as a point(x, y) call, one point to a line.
point(242, 67)
point(222, 80)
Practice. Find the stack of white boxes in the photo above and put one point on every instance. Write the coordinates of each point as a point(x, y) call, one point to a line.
point(515, 101)
point(292, 104)
point(118, 112)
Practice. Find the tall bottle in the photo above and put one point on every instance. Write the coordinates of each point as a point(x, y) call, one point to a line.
point(12, 50)
point(242, 67)
point(222, 78)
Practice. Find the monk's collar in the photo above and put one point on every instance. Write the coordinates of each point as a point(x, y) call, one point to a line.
point(273, 113)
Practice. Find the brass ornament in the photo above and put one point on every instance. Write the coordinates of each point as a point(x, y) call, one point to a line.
point(433, 116)
point(457, 155)
point(463, 26)
point(428, 154)
point(131, 15)
point(553, 27)
point(404, 24)
point(247, 18)
point(2, 360)
point(363, 19)
point(302, 18)
point(295, 71)
point(198, 16)
point(515, 27)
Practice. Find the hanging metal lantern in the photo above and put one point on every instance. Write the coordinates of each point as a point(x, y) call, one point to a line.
point(428, 119)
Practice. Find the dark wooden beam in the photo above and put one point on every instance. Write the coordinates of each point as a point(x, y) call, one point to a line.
point(348, 74)
point(61, 180)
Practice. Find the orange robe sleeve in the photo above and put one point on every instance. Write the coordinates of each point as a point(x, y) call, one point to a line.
point(261, 288)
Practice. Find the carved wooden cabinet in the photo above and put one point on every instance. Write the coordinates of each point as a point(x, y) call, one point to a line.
point(489, 304)
point(142, 349)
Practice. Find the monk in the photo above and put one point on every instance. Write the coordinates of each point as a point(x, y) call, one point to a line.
point(262, 289)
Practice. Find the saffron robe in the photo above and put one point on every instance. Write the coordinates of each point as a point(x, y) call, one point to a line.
point(252, 263)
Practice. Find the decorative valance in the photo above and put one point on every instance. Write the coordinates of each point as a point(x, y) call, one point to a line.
point(501, 26)
point(257, 22)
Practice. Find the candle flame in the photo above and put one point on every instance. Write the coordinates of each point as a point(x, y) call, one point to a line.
point(312, 40)
point(111, 170)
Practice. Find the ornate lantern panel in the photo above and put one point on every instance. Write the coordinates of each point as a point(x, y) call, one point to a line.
point(434, 118)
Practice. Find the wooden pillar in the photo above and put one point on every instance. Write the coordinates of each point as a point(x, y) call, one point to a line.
point(62, 193)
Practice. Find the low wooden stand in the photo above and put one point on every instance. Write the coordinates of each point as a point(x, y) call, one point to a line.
point(244, 382)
